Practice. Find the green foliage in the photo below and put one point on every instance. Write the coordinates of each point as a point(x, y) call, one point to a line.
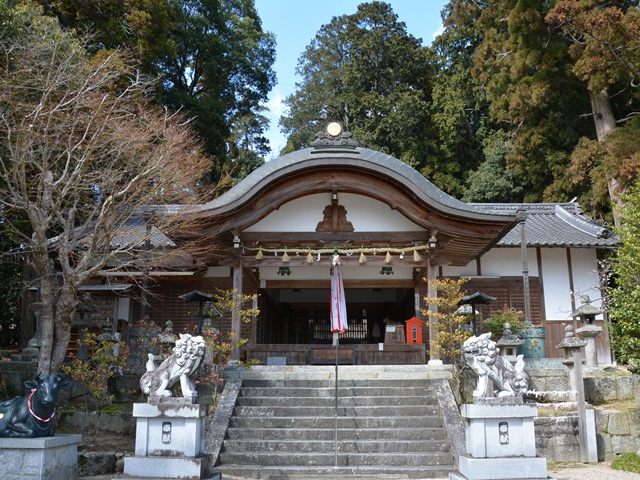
point(628, 462)
point(213, 59)
point(365, 71)
point(495, 323)
point(448, 323)
point(529, 84)
point(625, 294)
point(103, 364)
point(493, 181)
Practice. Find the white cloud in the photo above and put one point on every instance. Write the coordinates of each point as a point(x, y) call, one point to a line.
point(438, 32)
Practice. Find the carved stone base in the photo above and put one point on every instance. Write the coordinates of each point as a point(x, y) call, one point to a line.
point(501, 442)
point(169, 440)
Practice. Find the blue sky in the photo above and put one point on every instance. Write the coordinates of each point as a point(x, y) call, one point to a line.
point(295, 23)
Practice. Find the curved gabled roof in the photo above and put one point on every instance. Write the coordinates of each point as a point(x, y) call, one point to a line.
point(463, 231)
point(362, 159)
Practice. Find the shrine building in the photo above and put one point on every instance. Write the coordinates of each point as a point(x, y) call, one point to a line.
point(394, 231)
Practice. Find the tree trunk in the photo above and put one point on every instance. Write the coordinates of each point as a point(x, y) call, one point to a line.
point(47, 297)
point(605, 122)
point(65, 309)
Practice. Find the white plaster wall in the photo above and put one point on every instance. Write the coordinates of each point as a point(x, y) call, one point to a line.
point(466, 271)
point(365, 214)
point(324, 273)
point(585, 275)
point(507, 262)
point(555, 274)
point(497, 262)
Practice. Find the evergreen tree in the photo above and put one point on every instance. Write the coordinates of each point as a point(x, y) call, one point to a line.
point(605, 47)
point(365, 71)
point(213, 59)
point(526, 70)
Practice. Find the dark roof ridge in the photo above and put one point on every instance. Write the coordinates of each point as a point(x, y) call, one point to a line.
point(580, 223)
point(535, 208)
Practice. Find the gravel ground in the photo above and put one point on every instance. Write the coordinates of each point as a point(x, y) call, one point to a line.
point(601, 471)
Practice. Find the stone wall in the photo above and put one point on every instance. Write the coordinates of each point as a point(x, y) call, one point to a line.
point(617, 432)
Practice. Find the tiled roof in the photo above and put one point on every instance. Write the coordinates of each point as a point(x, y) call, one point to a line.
point(362, 158)
point(554, 225)
point(132, 235)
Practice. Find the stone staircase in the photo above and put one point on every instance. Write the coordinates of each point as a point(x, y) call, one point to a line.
point(282, 428)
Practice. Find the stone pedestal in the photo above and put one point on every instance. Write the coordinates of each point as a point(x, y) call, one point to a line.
point(169, 440)
point(590, 332)
point(44, 458)
point(501, 442)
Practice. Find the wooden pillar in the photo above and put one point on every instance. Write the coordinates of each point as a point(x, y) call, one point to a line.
point(236, 322)
point(433, 320)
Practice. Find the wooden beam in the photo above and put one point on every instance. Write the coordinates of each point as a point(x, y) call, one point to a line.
point(335, 238)
point(347, 283)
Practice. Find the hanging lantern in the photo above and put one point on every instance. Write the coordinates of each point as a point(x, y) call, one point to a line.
point(309, 258)
point(416, 256)
point(285, 258)
point(260, 255)
point(387, 258)
point(362, 259)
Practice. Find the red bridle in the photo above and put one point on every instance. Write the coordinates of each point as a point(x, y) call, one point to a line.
point(33, 414)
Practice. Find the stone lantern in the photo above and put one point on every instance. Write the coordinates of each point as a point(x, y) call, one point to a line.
point(589, 330)
point(509, 344)
point(571, 344)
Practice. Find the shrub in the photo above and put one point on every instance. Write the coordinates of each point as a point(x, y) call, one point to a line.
point(495, 323)
point(629, 462)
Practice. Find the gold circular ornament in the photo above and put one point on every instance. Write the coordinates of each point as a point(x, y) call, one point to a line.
point(334, 129)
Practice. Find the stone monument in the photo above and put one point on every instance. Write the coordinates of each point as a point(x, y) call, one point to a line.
point(589, 330)
point(29, 448)
point(170, 430)
point(499, 430)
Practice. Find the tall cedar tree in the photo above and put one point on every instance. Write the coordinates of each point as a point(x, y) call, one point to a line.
point(212, 57)
point(605, 39)
point(365, 71)
point(459, 110)
point(532, 93)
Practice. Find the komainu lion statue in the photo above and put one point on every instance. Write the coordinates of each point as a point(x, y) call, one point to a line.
point(493, 370)
point(180, 365)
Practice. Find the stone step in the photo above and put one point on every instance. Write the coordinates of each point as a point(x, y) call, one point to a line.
point(304, 434)
point(331, 472)
point(296, 447)
point(424, 392)
point(365, 382)
point(386, 411)
point(329, 422)
point(342, 401)
point(344, 459)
